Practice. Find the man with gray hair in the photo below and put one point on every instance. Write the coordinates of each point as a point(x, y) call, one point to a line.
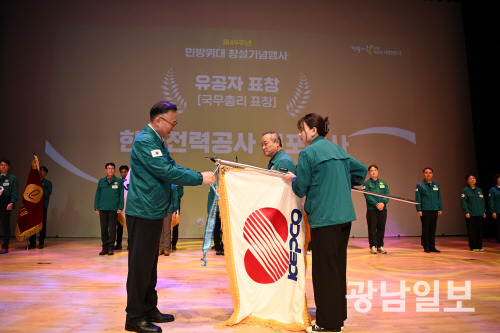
point(272, 148)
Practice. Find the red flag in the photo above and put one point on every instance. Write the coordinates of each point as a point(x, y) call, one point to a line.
point(30, 218)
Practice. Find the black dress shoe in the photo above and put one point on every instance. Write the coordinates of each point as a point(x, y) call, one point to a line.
point(118, 247)
point(160, 318)
point(103, 252)
point(111, 252)
point(427, 251)
point(142, 326)
point(31, 246)
point(4, 251)
point(40, 246)
point(435, 250)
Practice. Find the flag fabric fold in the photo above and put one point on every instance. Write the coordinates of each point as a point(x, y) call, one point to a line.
point(263, 234)
point(210, 226)
point(30, 218)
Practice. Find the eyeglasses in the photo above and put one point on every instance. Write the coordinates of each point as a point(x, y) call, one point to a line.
point(173, 124)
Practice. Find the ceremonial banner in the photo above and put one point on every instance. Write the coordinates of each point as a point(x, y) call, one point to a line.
point(263, 238)
point(30, 218)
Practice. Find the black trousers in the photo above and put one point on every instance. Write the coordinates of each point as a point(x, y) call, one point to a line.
point(5, 217)
point(429, 223)
point(119, 234)
point(219, 246)
point(329, 263)
point(175, 235)
point(497, 220)
point(108, 219)
point(143, 246)
point(474, 226)
point(376, 220)
point(43, 232)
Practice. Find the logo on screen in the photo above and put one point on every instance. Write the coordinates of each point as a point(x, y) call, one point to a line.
point(300, 98)
point(267, 258)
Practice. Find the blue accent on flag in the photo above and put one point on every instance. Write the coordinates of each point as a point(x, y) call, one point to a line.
point(210, 225)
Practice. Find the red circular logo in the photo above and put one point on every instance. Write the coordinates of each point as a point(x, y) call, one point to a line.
point(266, 232)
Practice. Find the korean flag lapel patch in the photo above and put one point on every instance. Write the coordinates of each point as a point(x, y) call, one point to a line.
point(156, 153)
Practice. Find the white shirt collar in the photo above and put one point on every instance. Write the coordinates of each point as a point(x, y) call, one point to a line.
point(159, 136)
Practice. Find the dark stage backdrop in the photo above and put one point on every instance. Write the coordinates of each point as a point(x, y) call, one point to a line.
point(79, 78)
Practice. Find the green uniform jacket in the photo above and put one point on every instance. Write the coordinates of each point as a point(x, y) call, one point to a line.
point(325, 173)
point(429, 196)
point(473, 201)
point(152, 174)
point(377, 186)
point(175, 202)
point(494, 199)
point(9, 184)
point(109, 196)
point(47, 192)
point(282, 161)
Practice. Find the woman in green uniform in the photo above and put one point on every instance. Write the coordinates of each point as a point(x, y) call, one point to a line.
point(325, 174)
point(474, 209)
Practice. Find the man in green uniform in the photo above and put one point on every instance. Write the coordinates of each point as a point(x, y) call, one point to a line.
point(428, 195)
point(376, 210)
point(494, 203)
point(152, 174)
point(272, 148)
point(8, 198)
point(47, 192)
point(108, 203)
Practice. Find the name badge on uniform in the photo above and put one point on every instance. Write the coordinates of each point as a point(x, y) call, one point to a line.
point(435, 188)
point(6, 184)
point(382, 186)
point(114, 186)
point(480, 195)
point(156, 153)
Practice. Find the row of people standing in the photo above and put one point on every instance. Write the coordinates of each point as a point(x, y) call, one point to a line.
point(428, 195)
point(109, 203)
point(8, 199)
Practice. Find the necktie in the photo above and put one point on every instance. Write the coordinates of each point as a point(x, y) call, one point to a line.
point(163, 144)
point(109, 180)
point(2, 177)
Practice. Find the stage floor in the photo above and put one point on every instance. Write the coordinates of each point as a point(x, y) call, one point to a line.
point(67, 287)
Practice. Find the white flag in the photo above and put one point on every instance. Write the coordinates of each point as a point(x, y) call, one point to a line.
point(263, 232)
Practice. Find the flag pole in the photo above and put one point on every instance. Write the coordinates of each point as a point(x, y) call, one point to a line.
point(274, 172)
point(244, 166)
point(385, 196)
